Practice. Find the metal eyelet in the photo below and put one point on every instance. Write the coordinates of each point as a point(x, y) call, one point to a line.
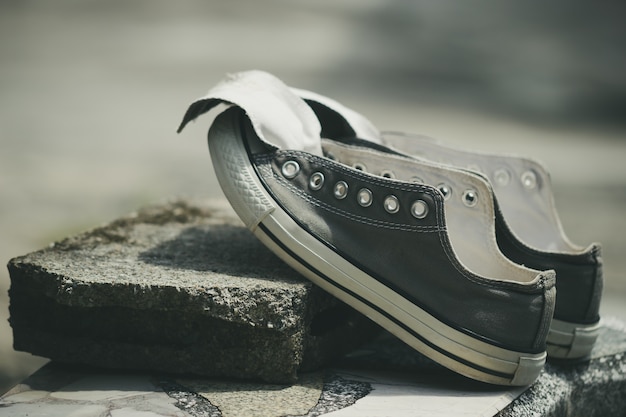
point(316, 181)
point(387, 173)
point(529, 180)
point(290, 169)
point(470, 198)
point(360, 166)
point(445, 190)
point(502, 177)
point(364, 197)
point(417, 180)
point(419, 209)
point(341, 190)
point(391, 204)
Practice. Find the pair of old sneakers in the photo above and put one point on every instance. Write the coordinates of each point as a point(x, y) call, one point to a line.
point(459, 254)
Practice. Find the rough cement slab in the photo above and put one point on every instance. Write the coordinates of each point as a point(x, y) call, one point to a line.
point(590, 388)
point(181, 287)
point(382, 377)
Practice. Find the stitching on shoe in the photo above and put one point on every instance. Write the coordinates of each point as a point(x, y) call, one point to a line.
point(365, 220)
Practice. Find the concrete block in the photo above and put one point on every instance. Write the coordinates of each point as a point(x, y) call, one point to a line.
point(180, 287)
point(596, 387)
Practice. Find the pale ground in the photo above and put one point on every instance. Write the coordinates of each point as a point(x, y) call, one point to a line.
point(91, 94)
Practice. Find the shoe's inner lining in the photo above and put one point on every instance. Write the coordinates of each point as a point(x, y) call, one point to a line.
point(521, 185)
point(469, 208)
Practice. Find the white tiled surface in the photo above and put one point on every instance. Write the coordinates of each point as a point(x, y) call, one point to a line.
point(135, 395)
point(401, 396)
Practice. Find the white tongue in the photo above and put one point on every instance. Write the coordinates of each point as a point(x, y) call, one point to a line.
point(278, 116)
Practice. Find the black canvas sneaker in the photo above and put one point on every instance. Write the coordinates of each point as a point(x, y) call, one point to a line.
point(528, 228)
point(425, 268)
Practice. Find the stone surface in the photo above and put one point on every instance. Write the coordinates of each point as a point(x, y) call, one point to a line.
point(181, 287)
point(592, 388)
point(382, 377)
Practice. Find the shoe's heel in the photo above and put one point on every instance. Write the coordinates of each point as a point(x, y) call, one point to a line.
point(234, 171)
point(571, 340)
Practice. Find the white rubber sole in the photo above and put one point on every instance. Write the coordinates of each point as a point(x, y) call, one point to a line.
point(571, 341)
point(315, 260)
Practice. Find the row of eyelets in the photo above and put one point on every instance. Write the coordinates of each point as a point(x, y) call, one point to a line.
point(364, 197)
point(469, 197)
point(385, 173)
point(528, 178)
point(419, 209)
point(316, 181)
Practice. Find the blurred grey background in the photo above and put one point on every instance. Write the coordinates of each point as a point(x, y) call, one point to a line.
point(91, 93)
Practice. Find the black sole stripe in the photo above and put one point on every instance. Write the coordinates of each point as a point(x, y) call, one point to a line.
point(559, 345)
point(413, 333)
